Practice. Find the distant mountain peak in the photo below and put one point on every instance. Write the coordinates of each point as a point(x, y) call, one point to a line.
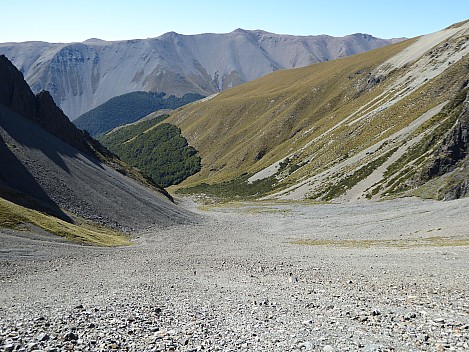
point(363, 35)
point(240, 30)
point(94, 40)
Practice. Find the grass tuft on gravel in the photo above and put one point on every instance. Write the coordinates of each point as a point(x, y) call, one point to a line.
point(435, 241)
point(16, 217)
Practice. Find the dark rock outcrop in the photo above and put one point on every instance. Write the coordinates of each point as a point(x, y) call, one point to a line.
point(14, 91)
point(451, 160)
point(455, 146)
point(459, 189)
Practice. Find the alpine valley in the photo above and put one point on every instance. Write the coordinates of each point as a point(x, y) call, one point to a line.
point(299, 221)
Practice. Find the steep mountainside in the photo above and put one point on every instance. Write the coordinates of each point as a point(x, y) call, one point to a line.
point(16, 95)
point(81, 76)
point(385, 122)
point(47, 164)
point(128, 108)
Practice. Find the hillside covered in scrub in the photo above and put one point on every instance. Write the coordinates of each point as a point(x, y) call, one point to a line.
point(156, 148)
point(128, 108)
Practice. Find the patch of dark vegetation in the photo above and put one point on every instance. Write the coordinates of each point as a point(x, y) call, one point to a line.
point(289, 165)
point(261, 153)
point(160, 151)
point(128, 108)
point(115, 138)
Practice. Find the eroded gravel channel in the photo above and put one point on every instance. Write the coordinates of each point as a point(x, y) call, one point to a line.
point(236, 282)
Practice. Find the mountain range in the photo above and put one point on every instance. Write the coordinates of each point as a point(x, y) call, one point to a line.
point(82, 76)
point(389, 122)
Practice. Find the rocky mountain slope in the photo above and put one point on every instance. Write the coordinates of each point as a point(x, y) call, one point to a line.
point(387, 122)
point(47, 164)
point(81, 76)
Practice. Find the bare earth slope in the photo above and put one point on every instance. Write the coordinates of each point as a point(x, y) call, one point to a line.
point(389, 276)
point(81, 76)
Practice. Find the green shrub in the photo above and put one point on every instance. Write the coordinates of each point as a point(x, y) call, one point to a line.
point(238, 188)
point(161, 151)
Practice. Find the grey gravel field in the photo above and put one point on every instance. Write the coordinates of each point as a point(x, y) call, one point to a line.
point(386, 276)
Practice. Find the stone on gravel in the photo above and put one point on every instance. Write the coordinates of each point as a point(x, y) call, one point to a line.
point(146, 298)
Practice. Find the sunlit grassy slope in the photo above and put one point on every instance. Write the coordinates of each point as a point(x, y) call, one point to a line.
point(245, 128)
point(13, 216)
point(318, 120)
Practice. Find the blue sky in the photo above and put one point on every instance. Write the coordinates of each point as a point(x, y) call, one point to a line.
point(78, 20)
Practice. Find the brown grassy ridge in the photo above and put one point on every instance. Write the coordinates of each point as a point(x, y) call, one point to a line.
point(300, 113)
point(269, 116)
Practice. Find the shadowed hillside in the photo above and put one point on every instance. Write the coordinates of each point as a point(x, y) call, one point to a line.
point(51, 166)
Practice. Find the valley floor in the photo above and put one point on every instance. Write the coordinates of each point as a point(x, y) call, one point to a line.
point(387, 276)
